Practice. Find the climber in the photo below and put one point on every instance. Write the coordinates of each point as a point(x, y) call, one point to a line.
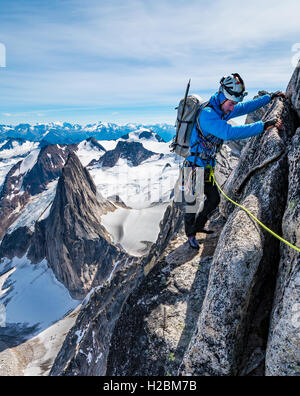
point(210, 131)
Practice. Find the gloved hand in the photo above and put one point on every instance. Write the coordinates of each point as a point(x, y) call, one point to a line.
point(275, 122)
point(277, 94)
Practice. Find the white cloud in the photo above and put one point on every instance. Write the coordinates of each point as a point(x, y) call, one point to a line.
point(136, 52)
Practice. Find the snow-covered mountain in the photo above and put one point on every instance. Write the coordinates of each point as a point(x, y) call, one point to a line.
point(144, 135)
point(56, 200)
point(26, 176)
point(66, 133)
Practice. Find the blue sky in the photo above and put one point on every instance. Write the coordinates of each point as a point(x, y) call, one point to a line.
point(129, 61)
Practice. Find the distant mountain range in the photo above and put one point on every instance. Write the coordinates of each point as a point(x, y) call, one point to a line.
point(66, 133)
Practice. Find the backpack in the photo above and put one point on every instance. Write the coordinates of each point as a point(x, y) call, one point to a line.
point(187, 112)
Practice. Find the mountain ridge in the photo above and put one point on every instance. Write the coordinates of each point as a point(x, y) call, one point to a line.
point(66, 133)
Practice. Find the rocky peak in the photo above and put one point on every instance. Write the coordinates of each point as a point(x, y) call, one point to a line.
point(29, 177)
point(95, 143)
point(12, 182)
point(133, 152)
point(77, 195)
point(76, 245)
point(47, 168)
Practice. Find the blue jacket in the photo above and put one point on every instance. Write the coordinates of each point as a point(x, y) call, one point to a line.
point(214, 122)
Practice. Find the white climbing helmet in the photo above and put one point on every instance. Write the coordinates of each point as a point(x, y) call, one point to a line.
point(233, 87)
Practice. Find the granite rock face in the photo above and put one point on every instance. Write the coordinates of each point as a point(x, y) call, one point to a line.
point(260, 152)
point(228, 159)
point(283, 352)
point(85, 350)
point(16, 243)
point(160, 316)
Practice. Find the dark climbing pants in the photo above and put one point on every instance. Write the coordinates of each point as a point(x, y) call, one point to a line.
point(194, 222)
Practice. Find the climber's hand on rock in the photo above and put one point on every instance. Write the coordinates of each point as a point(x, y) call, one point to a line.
point(278, 94)
point(275, 122)
point(279, 125)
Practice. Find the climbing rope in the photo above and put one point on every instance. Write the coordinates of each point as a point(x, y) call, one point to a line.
point(212, 175)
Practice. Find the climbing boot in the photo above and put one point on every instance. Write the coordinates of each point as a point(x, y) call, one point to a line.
point(194, 243)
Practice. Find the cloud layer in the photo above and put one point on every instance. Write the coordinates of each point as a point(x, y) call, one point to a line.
point(109, 58)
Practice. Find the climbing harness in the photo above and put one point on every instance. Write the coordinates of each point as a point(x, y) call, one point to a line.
point(212, 175)
point(210, 144)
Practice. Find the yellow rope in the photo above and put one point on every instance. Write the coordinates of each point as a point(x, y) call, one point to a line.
point(252, 216)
